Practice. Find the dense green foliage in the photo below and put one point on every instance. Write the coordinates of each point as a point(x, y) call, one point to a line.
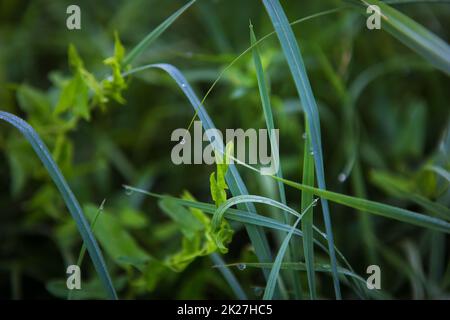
point(366, 111)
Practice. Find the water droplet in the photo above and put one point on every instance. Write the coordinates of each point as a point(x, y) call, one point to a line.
point(311, 153)
point(342, 177)
point(182, 141)
point(315, 201)
point(183, 85)
point(128, 191)
point(304, 135)
point(241, 266)
point(258, 291)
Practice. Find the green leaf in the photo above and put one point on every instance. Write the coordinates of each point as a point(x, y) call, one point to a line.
point(114, 238)
point(115, 86)
point(88, 78)
point(74, 94)
point(199, 238)
point(218, 185)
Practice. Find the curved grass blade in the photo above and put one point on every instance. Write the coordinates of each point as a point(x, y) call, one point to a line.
point(413, 35)
point(298, 72)
point(69, 198)
point(270, 287)
point(218, 215)
point(154, 34)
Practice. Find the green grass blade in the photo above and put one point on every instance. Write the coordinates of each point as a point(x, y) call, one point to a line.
point(268, 116)
point(298, 72)
point(377, 208)
point(267, 108)
point(230, 278)
point(413, 35)
point(271, 282)
point(69, 198)
point(154, 34)
point(389, 185)
point(218, 215)
point(83, 247)
point(307, 222)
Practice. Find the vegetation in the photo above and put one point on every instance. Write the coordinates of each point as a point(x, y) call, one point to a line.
point(364, 149)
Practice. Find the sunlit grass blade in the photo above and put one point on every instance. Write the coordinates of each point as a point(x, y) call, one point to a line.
point(271, 282)
point(69, 198)
point(298, 72)
point(307, 222)
point(413, 35)
point(154, 34)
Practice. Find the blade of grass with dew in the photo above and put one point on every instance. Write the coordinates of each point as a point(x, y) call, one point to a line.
point(412, 34)
point(307, 222)
point(230, 278)
point(377, 208)
point(83, 247)
point(154, 34)
point(218, 215)
point(268, 292)
point(267, 108)
point(298, 72)
point(319, 267)
point(69, 198)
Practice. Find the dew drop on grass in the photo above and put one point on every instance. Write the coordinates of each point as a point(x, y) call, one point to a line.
point(311, 153)
point(342, 177)
point(258, 291)
point(241, 266)
point(183, 85)
point(128, 191)
point(304, 135)
point(314, 203)
point(182, 141)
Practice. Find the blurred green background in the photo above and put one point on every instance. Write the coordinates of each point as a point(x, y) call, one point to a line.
point(386, 141)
